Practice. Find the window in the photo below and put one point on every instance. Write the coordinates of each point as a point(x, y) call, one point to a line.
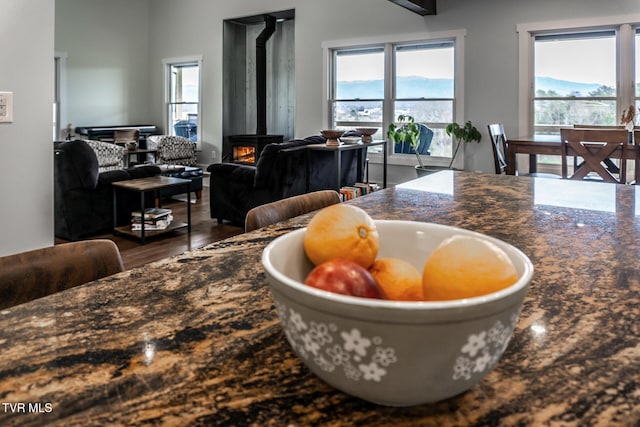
point(359, 88)
point(182, 96)
point(570, 86)
point(637, 67)
point(369, 85)
point(424, 89)
point(582, 71)
point(59, 91)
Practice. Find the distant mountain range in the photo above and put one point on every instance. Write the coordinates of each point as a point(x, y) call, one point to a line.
point(416, 87)
point(565, 87)
point(408, 87)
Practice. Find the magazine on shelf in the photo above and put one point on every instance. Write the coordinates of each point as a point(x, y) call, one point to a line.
point(152, 213)
point(138, 220)
point(160, 225)
point(154, 221)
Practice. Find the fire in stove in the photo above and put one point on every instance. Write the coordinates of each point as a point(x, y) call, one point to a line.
point(244, 154)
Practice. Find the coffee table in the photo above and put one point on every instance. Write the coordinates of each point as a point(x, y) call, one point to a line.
point(151, 184)
point(192, 173)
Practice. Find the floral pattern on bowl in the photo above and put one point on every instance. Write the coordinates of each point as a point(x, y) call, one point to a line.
point(361, 357)
point(368, 359)
point(484, 349)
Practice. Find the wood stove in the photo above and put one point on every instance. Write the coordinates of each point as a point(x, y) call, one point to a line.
point(246, 149)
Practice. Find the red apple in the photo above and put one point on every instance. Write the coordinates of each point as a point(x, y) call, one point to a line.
point(344, 277)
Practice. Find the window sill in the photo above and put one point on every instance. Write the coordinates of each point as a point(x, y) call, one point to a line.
point(408, 160)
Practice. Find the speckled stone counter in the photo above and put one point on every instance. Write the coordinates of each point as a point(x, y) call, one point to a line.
point(195, 339)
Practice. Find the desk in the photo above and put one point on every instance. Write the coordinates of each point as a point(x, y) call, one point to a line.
point(546, 144)
point(195, 339)
point(337, 156)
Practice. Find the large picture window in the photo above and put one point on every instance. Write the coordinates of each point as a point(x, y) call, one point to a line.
point(577, 72)
point(369, 85)
point(583, 71)
point(182, 96)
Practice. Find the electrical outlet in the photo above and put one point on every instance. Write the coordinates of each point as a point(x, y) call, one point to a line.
point(6, 107)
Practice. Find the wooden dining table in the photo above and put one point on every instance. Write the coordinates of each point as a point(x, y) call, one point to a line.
point(195, 339)
point(539, 144)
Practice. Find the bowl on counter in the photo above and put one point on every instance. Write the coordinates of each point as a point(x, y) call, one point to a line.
point(349, 140)
point(394, 353)
point(367, 133)
point(332, 136)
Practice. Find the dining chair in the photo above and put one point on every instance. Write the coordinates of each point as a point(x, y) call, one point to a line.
point(40, 272)
point(280, 210)
point(608, 162)
point(425, 137)
point(499, 145)
point(126, 136)
point(581, 126)
point(595, 147)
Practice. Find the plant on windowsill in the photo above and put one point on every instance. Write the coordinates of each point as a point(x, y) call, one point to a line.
point(408, 132)
point(628, 118)
point(466, 133)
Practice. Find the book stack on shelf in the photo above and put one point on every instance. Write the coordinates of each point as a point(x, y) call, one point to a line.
point(154, 219)
point(357, 190)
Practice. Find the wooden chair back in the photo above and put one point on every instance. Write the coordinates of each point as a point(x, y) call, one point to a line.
point(595, 146)
point(499, 147)
point(579, 126)
point(41, 272)
point(125, 136)
point(280, 210)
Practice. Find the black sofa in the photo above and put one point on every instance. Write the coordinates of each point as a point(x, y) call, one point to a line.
point(83, 197)
point(282, 170)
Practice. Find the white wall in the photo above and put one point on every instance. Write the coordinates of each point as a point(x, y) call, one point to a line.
point(106, 43)
point(26, 150)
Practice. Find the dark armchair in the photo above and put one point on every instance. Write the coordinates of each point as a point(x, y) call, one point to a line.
point(283, 170)
point(83, 197)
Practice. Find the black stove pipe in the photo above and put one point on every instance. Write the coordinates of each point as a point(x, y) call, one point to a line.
point(261, 74)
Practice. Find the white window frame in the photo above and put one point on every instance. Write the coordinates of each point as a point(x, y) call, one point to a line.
point(456, 36)
point(167, 64)
point(60, 96)
point(624, 26)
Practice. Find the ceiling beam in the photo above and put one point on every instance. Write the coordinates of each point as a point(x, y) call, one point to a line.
point(421, 7)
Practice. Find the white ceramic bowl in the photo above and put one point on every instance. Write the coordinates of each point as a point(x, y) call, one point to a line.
point(350, 139)
point(390, 352)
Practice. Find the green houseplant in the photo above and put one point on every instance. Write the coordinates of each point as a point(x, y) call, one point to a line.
point(408, 132)
point(466, 133)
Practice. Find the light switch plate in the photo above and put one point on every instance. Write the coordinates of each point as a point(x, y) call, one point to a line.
point(6, 107)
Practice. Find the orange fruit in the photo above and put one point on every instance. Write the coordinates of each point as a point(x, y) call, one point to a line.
point(399, 280)
point(342, 231)
point(465, 267)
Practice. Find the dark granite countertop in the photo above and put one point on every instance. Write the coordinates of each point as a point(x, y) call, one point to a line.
point(195, 339)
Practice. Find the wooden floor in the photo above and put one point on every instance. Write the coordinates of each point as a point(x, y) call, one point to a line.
point(204, 230)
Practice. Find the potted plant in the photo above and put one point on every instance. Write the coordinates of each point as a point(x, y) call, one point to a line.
point(466, 133)
point(407, 132)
